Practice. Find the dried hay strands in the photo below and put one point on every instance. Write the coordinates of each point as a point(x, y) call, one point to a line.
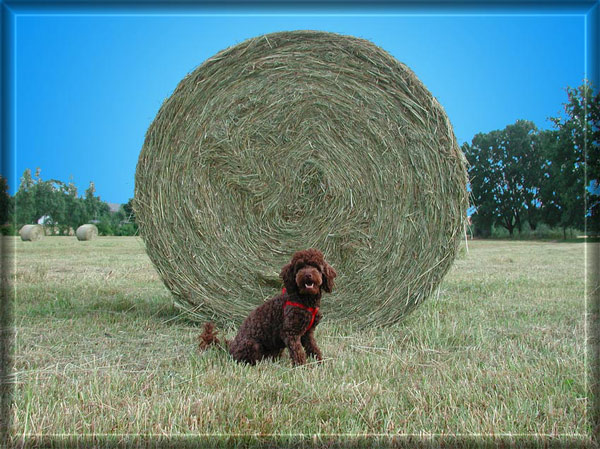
point(294, 140)
point(87, 232)
point(31, 232)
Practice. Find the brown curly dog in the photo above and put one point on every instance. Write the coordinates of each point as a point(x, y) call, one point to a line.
point(287, 320)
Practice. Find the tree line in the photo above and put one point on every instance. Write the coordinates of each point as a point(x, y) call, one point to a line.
point(522, 176)
point(59, 207)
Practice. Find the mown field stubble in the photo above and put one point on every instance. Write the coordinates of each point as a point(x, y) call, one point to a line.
point(500, 349)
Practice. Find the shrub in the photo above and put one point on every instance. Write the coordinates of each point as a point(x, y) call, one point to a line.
point(126, 229)
point(104, 228)
point(8, 229)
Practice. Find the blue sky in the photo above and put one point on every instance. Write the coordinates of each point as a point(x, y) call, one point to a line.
point(89, 85)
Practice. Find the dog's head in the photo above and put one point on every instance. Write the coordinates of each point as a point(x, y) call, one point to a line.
point(308, 273)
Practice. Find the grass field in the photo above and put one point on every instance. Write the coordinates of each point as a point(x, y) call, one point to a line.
point(500, 349)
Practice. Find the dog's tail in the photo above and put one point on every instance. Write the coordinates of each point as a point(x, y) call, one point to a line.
point(208, 337)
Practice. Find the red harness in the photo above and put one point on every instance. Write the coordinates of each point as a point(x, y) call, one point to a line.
point(312, 310)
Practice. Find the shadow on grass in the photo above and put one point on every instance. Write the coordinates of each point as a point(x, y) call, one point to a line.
point(160, 309)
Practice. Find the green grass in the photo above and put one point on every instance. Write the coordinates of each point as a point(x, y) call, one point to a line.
point(99, 349)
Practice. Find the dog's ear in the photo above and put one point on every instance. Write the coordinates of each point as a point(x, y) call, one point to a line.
point(329, 275)
point(288, 276)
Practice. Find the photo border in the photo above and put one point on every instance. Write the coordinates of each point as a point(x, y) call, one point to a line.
point(10, 10)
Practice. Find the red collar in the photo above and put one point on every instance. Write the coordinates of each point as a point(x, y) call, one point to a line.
point(312, 310)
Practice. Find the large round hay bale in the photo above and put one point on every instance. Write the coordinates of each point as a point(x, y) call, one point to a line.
point(31, 232)
point(87, 232)
point(295, 140)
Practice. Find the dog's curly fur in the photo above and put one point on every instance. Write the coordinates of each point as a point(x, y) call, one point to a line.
point(271, 327)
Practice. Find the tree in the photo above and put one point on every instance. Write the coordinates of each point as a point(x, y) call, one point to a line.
point(528, 163)
point(520, 164)
point(24, 200)
point(129, 225)
point(549, 203)
point(58, 203)
point(129, 211)
point(115, 219)
point(5, 201)
point(49, 201)
point(504, 169)
point(481, 176)
point(575, 147)
point(92, 203)
point(75, 211)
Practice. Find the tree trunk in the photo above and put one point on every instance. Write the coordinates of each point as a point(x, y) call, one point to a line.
point(508, 224)
point(509, 227)
point(518, 222)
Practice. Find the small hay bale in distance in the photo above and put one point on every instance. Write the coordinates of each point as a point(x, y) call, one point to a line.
point(294, 140)
point(31, 232)
point(86, 232)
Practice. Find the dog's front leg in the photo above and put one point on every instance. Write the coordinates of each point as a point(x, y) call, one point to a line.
point(310, 345)
point(296, 351)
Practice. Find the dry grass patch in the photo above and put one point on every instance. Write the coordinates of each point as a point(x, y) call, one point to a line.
point(99, 348)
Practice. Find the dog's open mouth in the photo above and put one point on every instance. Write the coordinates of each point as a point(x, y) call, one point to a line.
point(310, 286)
